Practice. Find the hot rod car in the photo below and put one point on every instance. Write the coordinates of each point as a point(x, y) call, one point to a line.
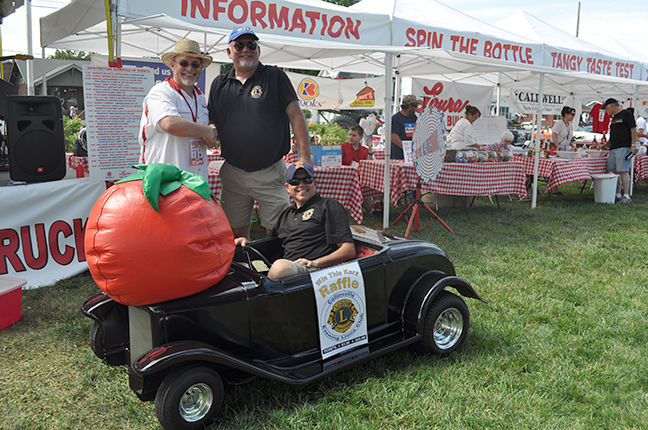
point(179, 352)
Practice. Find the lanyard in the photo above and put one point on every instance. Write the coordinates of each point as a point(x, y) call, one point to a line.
point(175, 86)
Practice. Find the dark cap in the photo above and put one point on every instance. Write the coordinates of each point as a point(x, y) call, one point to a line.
point(240, 31)
point(292, 169)
point(610, 102)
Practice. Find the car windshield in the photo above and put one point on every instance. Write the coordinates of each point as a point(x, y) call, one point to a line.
point(587, 128)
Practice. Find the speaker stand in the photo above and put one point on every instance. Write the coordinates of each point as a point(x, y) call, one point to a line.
point(415, 207)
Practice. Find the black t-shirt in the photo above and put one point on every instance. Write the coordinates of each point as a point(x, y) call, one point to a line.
point(314, 230)
point(251, 118)
point(620, 126)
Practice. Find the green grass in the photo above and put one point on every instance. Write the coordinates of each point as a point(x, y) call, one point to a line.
point(563, 343)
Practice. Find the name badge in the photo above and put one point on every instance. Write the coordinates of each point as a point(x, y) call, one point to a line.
point(197, 156)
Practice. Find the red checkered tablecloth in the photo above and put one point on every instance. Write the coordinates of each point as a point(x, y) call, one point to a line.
point(559, 171)
point(641, 167)
point(340, 183)
point(473, 179)
point(215, 155)
point(80, 164)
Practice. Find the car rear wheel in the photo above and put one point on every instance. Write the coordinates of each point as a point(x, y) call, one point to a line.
point(189, 398)
point(446, 325)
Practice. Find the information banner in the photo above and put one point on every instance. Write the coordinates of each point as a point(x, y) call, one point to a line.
point(527, 102)
point(341, 308)
point(319, 93)
point(42, 229)
point(113, 101)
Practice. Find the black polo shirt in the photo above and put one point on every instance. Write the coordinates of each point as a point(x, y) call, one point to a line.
point(251, 118)
point(314, 230)
point(620, 126)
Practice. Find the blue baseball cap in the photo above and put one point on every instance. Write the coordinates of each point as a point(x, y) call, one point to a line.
point(240, 31)
point(292, 169)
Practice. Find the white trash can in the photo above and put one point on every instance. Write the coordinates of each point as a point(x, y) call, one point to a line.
point(605, 187)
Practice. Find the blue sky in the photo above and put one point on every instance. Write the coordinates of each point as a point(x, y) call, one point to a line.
point(625, 21)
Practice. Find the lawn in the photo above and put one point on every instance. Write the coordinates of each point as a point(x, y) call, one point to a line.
point(562, 344)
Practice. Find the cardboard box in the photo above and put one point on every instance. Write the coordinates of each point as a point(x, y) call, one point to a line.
point(10, 300)
point(326, 156)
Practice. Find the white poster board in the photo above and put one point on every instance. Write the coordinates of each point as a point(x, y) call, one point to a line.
point(113, 102)
point(489, 129)
point(42, 229)
point(407, 151)
point(341, 308)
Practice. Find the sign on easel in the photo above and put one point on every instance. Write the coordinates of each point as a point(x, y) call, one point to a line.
point(489, 129)
point(113, 101)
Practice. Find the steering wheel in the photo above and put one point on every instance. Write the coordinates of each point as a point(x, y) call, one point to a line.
point(249, 249)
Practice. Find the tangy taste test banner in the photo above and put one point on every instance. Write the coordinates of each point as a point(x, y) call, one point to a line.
point(333, 23)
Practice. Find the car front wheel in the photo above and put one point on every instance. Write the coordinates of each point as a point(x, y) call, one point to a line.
point(446, 325)
point(189, 398)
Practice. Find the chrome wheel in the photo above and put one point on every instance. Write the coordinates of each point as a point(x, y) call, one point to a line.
point(196, 402)
point(448, 328)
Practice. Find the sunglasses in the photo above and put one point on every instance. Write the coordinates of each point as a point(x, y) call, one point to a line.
point(251, 44)
point(194, 64)
point(307, 180)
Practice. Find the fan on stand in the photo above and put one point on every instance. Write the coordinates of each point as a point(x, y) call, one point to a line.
point(428, 151)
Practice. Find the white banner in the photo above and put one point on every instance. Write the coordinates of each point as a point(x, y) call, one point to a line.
point(43, 228)
point(527, 102)
point(451, 98)
point(318, 93)
point(113, 102)
point(305, 20)
point(341, 308)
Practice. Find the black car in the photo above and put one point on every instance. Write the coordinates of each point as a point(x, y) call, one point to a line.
point(179, 352)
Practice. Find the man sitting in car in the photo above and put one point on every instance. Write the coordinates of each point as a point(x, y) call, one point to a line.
point(314, 232)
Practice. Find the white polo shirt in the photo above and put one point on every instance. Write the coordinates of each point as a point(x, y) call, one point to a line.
point(168, 99)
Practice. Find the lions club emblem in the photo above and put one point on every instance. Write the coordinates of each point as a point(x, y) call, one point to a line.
point(308, 214)
point(342, 315)
point(256, 92)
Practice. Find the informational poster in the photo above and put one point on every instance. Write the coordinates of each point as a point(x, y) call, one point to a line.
point(113, 101)
point(489, 129)
point(341, 308)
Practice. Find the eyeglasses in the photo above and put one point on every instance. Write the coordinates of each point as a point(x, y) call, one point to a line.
point(251, 44)
point(194, 64)
point(307, 180)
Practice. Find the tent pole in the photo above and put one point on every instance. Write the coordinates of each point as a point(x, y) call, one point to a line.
point(499, 91)
point(536, 165)
point(388, 108)
point(30, 51)
point(117, 20)
point(44, 83)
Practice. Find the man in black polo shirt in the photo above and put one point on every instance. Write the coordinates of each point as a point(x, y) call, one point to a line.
point(314, 232)
point(253, 106)
point(623, 136)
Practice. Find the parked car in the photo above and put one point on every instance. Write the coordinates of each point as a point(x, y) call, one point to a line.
point(586, 133)
point(180, 352)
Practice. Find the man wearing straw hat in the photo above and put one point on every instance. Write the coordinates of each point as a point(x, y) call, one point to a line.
point(174, 127)
point(253, 107)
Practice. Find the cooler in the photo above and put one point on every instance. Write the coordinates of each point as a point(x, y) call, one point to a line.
point(10, 300)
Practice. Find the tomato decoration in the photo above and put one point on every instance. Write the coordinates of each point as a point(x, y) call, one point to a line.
point(157, 236)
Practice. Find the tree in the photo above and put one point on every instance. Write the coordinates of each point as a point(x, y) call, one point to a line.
point(68, 54)
point(345, 3)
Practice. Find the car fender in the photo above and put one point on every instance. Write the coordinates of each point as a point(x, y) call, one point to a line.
point(423, 292)
point(113, 319)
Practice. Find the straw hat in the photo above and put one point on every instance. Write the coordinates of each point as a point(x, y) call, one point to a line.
point(189, 48)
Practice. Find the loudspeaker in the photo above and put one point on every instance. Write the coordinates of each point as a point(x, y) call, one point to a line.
point(36, 138)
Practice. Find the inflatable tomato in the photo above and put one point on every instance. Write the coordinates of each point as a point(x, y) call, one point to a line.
point(156, 236)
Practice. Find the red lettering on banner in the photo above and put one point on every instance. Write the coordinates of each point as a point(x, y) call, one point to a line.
point(9, 244)
point(263, 14)
point(336, 20)
point(506, 51)
point(409, 34)
point(435, 91)
point(313, 16)
point(28, 248)
point(449, 105)
point(47, 245)
point(257, 13)
point(68, 254)
point(298, 21)
point(242, 4)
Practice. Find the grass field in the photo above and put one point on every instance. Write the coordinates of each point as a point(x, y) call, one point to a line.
point(563, 343)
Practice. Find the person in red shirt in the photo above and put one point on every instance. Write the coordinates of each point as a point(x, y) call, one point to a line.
point(353, 149)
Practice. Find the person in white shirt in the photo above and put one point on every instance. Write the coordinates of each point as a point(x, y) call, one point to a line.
point(174, 126)
point(563, 130)
point(462, 135)
point(642, 135)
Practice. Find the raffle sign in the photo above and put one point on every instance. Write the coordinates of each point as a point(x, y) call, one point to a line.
point(341, 308)
point(113, 100)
